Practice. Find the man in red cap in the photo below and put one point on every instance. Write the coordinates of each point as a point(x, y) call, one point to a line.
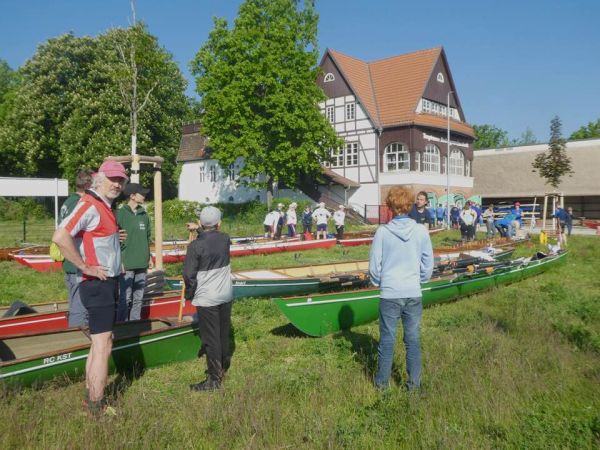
point(89, 238)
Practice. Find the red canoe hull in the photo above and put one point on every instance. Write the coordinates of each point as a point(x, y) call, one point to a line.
point(57, 320)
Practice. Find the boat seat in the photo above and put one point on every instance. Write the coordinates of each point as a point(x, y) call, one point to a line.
point(135, 327)
point(18, 308)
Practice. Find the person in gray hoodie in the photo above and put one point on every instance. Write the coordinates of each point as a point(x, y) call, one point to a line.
point(207, 276)
point(401, 258)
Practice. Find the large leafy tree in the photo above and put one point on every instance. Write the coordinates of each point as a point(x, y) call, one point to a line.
point(258, 92)
point(591, 130)
point(554, 163)
point(69, 111)
point(489, 136)
point(8, 85)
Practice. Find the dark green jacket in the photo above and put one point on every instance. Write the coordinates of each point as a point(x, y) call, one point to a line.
point(135, 250)
point(67, 208)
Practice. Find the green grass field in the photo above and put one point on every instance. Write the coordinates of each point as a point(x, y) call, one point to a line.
point(517, 367)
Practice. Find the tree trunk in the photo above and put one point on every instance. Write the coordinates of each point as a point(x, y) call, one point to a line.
point(269, 193)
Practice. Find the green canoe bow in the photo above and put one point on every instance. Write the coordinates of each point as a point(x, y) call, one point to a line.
point(31, 359)
point(320, 315)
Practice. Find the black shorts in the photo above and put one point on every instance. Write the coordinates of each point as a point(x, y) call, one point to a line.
point(99, 297)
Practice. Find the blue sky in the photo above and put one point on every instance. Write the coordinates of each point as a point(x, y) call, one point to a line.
point(516, 64)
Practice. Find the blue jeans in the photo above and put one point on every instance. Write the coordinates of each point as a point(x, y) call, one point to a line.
point(78, 315)
point(390, 311)
point(131, 295)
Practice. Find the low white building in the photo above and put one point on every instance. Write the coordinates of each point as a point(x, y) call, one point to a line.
point(505, 175)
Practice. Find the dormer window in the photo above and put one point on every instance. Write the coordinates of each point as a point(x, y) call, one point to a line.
point(440, 77)
point(328, 77)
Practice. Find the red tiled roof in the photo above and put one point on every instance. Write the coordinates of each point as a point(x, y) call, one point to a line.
point(192, 146)
point(390, 88)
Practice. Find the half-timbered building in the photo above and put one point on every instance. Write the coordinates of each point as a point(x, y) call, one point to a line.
point(393, 116)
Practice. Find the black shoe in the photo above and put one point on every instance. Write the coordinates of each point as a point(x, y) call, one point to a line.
point(206, 385)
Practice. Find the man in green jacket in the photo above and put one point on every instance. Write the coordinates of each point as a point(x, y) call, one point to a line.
point(77, 313)
point(135, 252)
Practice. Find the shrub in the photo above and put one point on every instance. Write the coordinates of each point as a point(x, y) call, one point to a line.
point(21, 208)
point(177, 210)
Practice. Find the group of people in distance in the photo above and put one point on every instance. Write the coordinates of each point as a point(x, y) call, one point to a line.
point(276, 219)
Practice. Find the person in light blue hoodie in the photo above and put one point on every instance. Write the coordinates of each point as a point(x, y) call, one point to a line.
point(401, 259)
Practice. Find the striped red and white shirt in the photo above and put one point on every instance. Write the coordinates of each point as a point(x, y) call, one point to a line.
point(94, 227)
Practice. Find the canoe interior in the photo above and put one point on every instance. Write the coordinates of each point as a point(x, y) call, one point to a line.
point(28, 346)
point(24, 347)
point(36, 309)
point(303, 271)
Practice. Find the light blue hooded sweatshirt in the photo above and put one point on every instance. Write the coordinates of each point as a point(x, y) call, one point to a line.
point(401, 258)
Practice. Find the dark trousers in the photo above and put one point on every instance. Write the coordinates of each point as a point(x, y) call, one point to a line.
point(467, 231)
point(340, 232)
point(214, 325)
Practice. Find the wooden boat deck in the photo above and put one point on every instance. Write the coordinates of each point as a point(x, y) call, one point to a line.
point(28, 346)
point(23, 347)
point(306, 271)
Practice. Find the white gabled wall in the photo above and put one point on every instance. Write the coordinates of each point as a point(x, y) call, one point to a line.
point(222, 190)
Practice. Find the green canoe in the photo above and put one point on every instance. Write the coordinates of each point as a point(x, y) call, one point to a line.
point(293, 280)
point(30, 359)
point(323, 314)
point(319, 277)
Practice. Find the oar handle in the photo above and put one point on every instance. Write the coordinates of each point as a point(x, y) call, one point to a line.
point(181, 302)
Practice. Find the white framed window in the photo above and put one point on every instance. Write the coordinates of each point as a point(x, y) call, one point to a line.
point(212, 173)
point(328, 78)
point(230, 172)
point(350, 111)
point(330, 113)
point(352, 154)
point(457, 162)
point(417, 161)
point(202, 174)
point(439, 109)
point(431, 159)
point(337, 157)
point(440, 77)
point(396, 157)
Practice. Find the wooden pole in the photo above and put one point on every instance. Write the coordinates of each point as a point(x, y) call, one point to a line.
point(158, 225)
point(532, 223)
point(545, 212)
point(181, 302)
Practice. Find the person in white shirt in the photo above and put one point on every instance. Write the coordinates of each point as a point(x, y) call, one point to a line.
point(321, 216)
point(280, 221)
point(270, 223)
point(291, 219)
point(468, 218)
point(338, 217)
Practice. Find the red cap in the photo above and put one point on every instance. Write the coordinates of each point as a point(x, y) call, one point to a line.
point(112, 168)
point(517, 204)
